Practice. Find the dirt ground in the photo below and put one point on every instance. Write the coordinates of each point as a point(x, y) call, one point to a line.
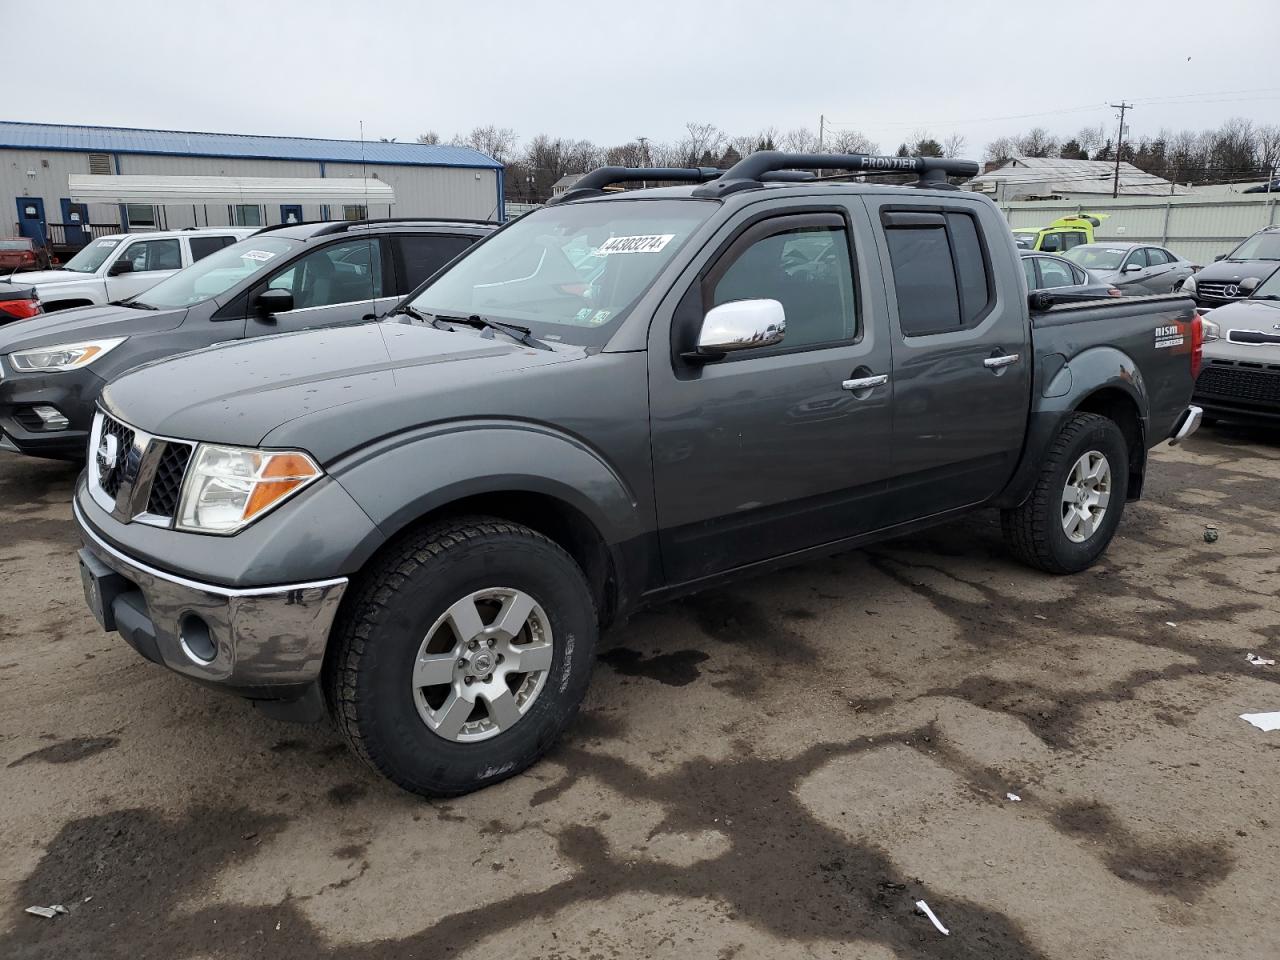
point(779, 769)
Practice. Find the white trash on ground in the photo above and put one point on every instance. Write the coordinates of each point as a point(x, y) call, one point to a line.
point(1258, 661)
point(924, 908)
point(1014, 797)
point(1263, 721)
point(47, 912)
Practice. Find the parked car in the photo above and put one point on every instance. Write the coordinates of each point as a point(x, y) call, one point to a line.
point(1220, 282)
point(21, 253)
point(1065, 233)
point(1241, 375)
point(424, 522)
point(123, 265)
point(1135, 269)
point(284, 278)
point(1272, 186)
point(1045, 272)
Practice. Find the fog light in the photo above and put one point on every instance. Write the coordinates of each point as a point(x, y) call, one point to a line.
point(51, 417)
point(196, 640)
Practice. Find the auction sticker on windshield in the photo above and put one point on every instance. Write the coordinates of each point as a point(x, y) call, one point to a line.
point(653, 243)
point(106, 243)
point(263, 255)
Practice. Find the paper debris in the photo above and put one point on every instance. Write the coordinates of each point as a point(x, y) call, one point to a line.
point(1041, 616)
point(1258, 661)
point(1263, 721)
point(47, 912)
point(1014, 797)
point(1170, 623)
point(924, 908)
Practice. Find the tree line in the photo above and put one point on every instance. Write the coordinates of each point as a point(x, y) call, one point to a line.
point(1236, 150)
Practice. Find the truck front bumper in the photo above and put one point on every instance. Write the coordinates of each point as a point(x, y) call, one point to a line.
point(265, 643)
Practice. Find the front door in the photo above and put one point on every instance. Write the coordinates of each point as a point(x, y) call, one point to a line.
point(769, 451)
point(75, 223)
point(290, 213)
point(961, 365)
point(339, 283)
point(149, 262)
point(31, 221)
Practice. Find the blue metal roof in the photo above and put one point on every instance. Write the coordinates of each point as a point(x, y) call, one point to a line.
point(55, 136)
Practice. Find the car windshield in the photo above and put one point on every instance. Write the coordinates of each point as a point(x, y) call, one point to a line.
point(1261, 246)
point(1025, 240)
point(15, 244)
point(1097, 258)
point(572, 271)
point(92, 257)
point(1269, 288)
point(218, 272)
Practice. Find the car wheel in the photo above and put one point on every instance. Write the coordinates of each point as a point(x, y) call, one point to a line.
point(1077, 501)
point(462, 655)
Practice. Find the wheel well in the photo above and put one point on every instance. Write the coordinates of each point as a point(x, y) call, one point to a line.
point(65, 305)
point(553, 518)
point(1117, 406)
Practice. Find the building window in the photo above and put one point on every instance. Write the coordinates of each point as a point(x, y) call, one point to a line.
point(355, 211)
point(142, 216)
point(100, 164)
point(246, 215)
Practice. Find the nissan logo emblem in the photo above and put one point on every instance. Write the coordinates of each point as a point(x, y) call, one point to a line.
point(108, 453)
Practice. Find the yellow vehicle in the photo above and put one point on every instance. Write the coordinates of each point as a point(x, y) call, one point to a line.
point(1061, 235)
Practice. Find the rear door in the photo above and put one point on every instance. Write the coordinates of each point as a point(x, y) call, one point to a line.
point(770, 451)
point(419, 255)
point(961, 363)
point(341, 282)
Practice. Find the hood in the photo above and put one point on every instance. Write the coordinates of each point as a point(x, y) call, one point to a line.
point(84, 323)
point(379, 374)
point(1233, 271)
point(50, 276)
point(1261, 320)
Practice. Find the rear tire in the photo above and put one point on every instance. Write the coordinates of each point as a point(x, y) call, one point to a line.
point(1077, 501)
point(415, 679)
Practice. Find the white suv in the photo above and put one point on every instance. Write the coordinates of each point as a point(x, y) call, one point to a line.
point(123, 265)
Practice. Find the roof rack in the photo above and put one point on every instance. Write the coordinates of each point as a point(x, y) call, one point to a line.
point(593, 183)
point(751, 171)
point(342, 226)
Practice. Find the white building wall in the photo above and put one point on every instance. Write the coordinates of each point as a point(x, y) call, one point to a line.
point(430, 191)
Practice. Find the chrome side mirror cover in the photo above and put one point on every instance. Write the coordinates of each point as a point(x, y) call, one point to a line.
point(740, 325)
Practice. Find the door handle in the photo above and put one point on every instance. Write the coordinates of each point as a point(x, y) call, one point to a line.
point(865, 383)
point(995, 363)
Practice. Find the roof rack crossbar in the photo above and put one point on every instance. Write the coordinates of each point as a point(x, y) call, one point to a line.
point(750, 171)
point(593, 183)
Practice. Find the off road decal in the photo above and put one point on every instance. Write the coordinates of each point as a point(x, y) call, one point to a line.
point(1170, 336)
point(653, 243)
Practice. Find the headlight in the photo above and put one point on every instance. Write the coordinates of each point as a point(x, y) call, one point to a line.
point(1210, 330)
point(65, 356)
point(227, 488)
point(1188, 285)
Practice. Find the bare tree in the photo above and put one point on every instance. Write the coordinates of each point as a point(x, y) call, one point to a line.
point(955, 145)
point(1001, 150)
point(1091, 138)
point(630, 154)
point(767, 138)
point(852, 141)
point(1267, 139)
point(430, 137)
point(701, 144)
point(497, 142)
point(1038, 142)
point(800, 140)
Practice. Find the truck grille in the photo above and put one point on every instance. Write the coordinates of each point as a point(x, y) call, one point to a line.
point(1218, 290)
point(136, 476)
point(1256, 383)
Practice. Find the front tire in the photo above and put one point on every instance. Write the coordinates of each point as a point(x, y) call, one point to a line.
point(462, 656)
point(1077, 501)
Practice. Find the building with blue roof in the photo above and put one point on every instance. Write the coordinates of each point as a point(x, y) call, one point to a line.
point(428, 180)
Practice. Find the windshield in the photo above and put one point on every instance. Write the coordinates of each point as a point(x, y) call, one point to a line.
point(1097, 258)
point(571, 271)
point(1261, 246)
point(15, 244)
point(1024, 240)
point(218, 272)
point(91, 257)
point(1268, 288)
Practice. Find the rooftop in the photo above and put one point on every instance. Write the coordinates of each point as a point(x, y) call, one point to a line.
point(54, 136)
point(1043, 175)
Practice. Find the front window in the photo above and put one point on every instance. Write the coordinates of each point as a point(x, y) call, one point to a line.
point(89, 259)
point(1269, 289)
point(218, 272)
point(148, 255)
point(339, 273)
point(1261, 246)
point(571, 271)
point(1097, 258)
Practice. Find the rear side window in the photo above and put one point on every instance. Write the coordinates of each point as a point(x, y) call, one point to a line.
point(1157, 257)
point(201, 247)
point(1138, 258)
point(939, 272)
point(1055, 273)
point(418, 257)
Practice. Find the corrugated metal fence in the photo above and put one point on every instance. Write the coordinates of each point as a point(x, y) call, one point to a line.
point(1192, 227)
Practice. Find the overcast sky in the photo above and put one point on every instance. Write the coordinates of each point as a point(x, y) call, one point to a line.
point(609, 73)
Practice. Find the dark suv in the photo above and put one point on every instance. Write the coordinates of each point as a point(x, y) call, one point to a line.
point(1219, 283)
point(53, 367)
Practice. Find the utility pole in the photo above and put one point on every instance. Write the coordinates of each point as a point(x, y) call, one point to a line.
point(644, 157)
point(1122, 107)
point(822, 130)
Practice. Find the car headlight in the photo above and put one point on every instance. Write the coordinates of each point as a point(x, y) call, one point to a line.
point(64, 356)
point(1188, 285)
point(227, 488)
point(1210, 331)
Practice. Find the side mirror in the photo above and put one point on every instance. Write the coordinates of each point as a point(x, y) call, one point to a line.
point(120, 266)
point(740, 325)
point(1248, 285)
point(1221, 256)
point(1132, 268)
point(274, 301)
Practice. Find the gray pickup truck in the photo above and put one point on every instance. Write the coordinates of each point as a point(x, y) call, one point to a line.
point(422, 524)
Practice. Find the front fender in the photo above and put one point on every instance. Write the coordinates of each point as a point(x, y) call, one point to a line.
point(402, 478)
point(1061, 389)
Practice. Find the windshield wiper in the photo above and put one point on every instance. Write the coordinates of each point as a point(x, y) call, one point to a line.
point(411, 311)
point(513, 330)
point(135, 304)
